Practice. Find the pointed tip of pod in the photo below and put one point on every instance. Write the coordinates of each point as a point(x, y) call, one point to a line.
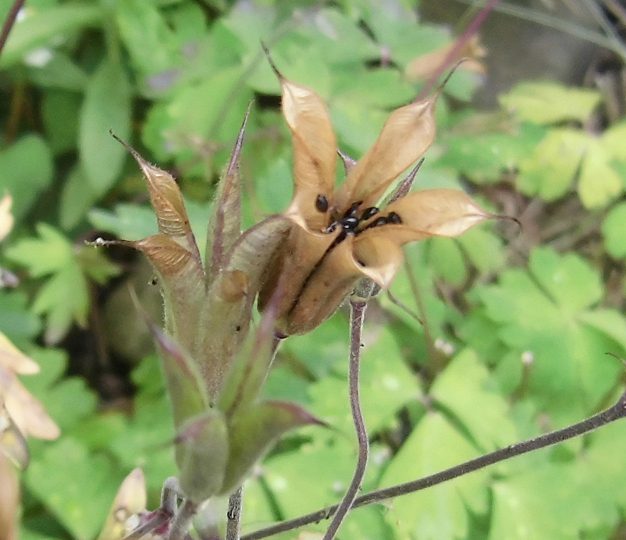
point(275, 69)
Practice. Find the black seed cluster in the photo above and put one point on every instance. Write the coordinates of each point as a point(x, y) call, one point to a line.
point(351, 219)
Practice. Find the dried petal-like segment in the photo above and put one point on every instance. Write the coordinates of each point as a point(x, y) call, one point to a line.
point(6, 217)
point(378, 257)
point(433, 212)
point(314, 148)
point(226, 314)
point(129, 501)
point(225, 224)
point(323, 291)
point(14, 359)
point(407, 134)
point(9, 500)
point(182, 284)
point(167, 202)
point(252, 432)
point(25, 410)
point(299, 257)
point(12, 443)
point(202, 454)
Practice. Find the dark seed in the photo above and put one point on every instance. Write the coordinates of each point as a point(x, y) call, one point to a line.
point(352, 210)
point(349, 223)
point(321, 203)
point(378, 222)
point(394, 218)
point(369, 212)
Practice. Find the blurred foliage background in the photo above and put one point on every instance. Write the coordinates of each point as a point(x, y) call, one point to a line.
point(501, 335)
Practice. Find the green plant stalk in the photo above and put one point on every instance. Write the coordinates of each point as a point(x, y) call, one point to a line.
point(616, 412)
point(358, 308)
point(233, 515)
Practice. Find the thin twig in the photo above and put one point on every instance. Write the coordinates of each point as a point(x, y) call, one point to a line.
point(555, 23)
point(613, 413)
point(9, 22)
point(358, 307)
point(453, 54)
point(421, 310)
point(233, 515)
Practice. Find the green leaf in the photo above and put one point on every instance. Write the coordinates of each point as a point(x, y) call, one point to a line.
point(569, 280)
point(549, 102)
point(64, 297)
point(447, 261)
point(440, 512)
point(609, 322)
point(76, 199)
point(16, 321)
point(386, 385)
point(67, 399)
point(484, 149)
point(322, 469)
point(133, 222)
point(612, 140)
point(463, 390)
point(321, 349)
point(127, 221)
point(77, 487)
point(599, 182)
point(96, 266)
point(541, 314)
point(26, 171)
point(613, 228)
point(59, 72)
point(549, 170)
point(484, 249)
point(106, 107)
point(545, 502)
point(151, 44)
point(40, 26)
point(189, 116)
point(60, 112)
point(252, 432)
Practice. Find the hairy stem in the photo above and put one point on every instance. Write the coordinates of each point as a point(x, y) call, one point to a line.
point(357, 314)
point(182, 520)
point(233, 515)
point(613, 413)
point(169, 495)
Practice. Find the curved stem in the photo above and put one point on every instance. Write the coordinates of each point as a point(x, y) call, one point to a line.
point(613, 413)
point(357, 314)
point(9, 22)
point(233, 515)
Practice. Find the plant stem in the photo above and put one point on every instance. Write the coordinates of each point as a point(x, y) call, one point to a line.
point(169, 495)
point(453, 54)
point(233, 516)
point(9, 22)
point(358, 307)
point(613, 413)
point(182, 520)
